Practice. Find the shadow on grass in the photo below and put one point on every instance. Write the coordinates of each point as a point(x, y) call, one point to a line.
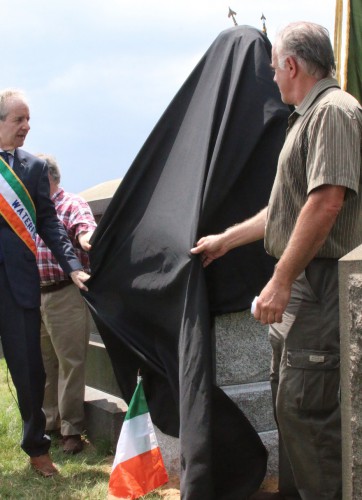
point(83, 476)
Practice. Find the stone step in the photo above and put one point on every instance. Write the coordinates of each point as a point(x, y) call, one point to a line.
point(255, 401)
point(99, 370)
point(104, 416)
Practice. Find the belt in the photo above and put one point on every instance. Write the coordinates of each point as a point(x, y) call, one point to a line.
point(53, 287)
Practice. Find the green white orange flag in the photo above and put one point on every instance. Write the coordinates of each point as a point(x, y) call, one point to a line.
point(138, 466)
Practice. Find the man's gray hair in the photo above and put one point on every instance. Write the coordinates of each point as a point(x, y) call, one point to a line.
point(6, 96)
point(53, 168)
point(310, 45)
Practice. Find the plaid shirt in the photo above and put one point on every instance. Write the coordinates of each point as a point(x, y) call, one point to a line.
point(77, 217)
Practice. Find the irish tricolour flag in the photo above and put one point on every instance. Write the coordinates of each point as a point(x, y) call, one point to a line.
point(138, 466)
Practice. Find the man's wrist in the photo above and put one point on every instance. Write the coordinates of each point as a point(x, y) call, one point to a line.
point(77, 271)
point(282, 277)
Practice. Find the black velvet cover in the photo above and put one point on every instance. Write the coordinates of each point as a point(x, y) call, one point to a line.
point(209, 163)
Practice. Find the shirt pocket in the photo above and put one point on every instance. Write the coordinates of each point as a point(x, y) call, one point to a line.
point(313, 379)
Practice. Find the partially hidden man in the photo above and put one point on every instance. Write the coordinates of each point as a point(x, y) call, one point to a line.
point(26, 209)
point(65, 318)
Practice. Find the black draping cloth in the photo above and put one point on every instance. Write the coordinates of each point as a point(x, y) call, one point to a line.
point(209, 163)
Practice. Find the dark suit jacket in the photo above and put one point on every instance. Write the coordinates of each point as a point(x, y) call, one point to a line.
point(20, 262)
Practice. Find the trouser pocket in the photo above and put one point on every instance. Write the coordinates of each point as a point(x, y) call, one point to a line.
point(313, 379)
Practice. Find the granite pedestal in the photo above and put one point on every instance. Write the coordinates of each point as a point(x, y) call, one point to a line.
point(350, 299)
point(242, 357)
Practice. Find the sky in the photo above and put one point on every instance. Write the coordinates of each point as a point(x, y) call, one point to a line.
point(98, 74)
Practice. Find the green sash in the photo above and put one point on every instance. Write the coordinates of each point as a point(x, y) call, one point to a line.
point(16, 205)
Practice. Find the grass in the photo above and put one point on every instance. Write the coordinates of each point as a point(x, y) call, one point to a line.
point(83, 476)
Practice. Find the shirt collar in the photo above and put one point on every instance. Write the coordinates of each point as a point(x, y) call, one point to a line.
point(318, 89)
point(58, 193)
point(10, 151)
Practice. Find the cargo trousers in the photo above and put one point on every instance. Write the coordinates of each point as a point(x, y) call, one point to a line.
point(305, 381)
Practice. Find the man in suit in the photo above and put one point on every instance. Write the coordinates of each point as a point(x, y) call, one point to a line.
point(26, 208)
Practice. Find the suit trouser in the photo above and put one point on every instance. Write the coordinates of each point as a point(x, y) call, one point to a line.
point(20, 337)
point(64, 344)
point(305, 382)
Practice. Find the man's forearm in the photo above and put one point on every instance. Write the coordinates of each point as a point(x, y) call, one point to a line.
point(216, 245)
point(313, 225)
point(246, 232)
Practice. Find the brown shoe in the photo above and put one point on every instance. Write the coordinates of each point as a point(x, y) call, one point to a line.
point(43, 465)
point(72, 444)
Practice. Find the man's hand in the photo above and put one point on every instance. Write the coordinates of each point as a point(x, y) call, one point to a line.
point(79, 277)
point(210, 247)
point(216, 245)
point(272, 302)
point(313, 225)
point(83, 239)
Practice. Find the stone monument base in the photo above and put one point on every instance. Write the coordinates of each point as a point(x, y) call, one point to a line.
point(242, 359)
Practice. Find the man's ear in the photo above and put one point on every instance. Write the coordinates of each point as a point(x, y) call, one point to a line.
point(292, 66)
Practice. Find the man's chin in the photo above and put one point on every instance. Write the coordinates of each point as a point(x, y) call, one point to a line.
point(19, 143)
point(286, 101)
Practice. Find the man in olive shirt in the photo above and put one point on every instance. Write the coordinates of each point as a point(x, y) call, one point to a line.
point(313, 219)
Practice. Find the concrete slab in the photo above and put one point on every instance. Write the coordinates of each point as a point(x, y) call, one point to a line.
point(104, 415)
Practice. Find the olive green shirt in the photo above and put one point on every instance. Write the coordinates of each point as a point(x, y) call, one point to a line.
point(323, 146)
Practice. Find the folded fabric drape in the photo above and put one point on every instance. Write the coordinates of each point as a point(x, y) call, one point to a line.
point(209, 163)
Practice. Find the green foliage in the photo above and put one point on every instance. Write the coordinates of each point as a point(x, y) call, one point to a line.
point(83, 476)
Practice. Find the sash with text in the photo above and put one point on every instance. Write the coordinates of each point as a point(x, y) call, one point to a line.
point(16, 205)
